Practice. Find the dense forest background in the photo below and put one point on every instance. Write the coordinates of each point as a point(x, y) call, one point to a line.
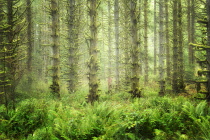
point(105, 69)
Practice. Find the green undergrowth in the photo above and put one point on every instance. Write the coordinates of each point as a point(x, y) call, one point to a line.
point(114, 117)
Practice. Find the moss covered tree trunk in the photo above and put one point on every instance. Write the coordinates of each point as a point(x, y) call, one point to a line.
point(191, 30)
point(3, 97)
point(146, 74)
point(93, 53)
point(175, 48)
point(55, 87)
point(180, 50)
point(167, 43)
point(155, 37)
point(161, 49)
point(208, 50)
point(116, 21)
point(110, 47)
point(135, 86)
point(29, 41)
point(126, 47)
point(73, 26)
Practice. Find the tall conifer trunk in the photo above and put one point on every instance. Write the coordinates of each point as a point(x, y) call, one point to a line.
point(116, 20)
point(167, 43)
point(155, 37)
point(93, 53)
point(55, 87)
point(180, 50)
point(110, 48)
point(175, 48)
point(146, 74)
point(161, 50)
point(135, 86)
point(29, 41)
point(208, 50)
point(73, 26)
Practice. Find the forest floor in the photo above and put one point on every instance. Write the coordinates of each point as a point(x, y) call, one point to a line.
point(115, 116)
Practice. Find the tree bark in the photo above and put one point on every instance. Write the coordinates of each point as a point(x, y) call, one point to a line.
point(55, 87)
point(155, 37)
point(161, 50)
point(93, 53)
point(167, 43)
point(208, 50)
point(73, 26)
point(146, 74)
point(29, 41)
point(175, 48)
point(180, 50)
point(135, 86)
point(116, 20)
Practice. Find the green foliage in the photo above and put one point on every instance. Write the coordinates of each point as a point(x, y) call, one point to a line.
point(128, 119)
point(29, 115)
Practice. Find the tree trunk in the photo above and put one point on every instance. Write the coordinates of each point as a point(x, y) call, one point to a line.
point(116, 20)
point(135, 87)
point(29, 42)
point(110, 48)
point(146, 75)
point(155, 37)
point(126, 39)
point(180, 50)
point(175, 48)
point(55, 87)
point(93, 53)
point(73, 25)
point(208, 50)
point(168, 56)
point(161, 50)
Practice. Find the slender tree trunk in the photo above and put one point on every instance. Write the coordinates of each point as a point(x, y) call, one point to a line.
point(93, 53)
point(116, 20)
point(110, 48)
point(161, 50)
point(126, 43)
point(208, 50)
point(146, 74)
point(135, 87)
point(29, 41)
point(191, 29)
point(175, 48)
point(73, 25)
point(168, 58)
point(3, 94)
point(141, 55)
point(180, 50)
point(56, 56)
point(155, 37)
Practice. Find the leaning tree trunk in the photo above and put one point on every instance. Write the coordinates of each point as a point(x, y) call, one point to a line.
point(161, 50)
point(135, 87)
point(93, 53)
point(55, 87)
point(146, 74)
point(116, 21)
